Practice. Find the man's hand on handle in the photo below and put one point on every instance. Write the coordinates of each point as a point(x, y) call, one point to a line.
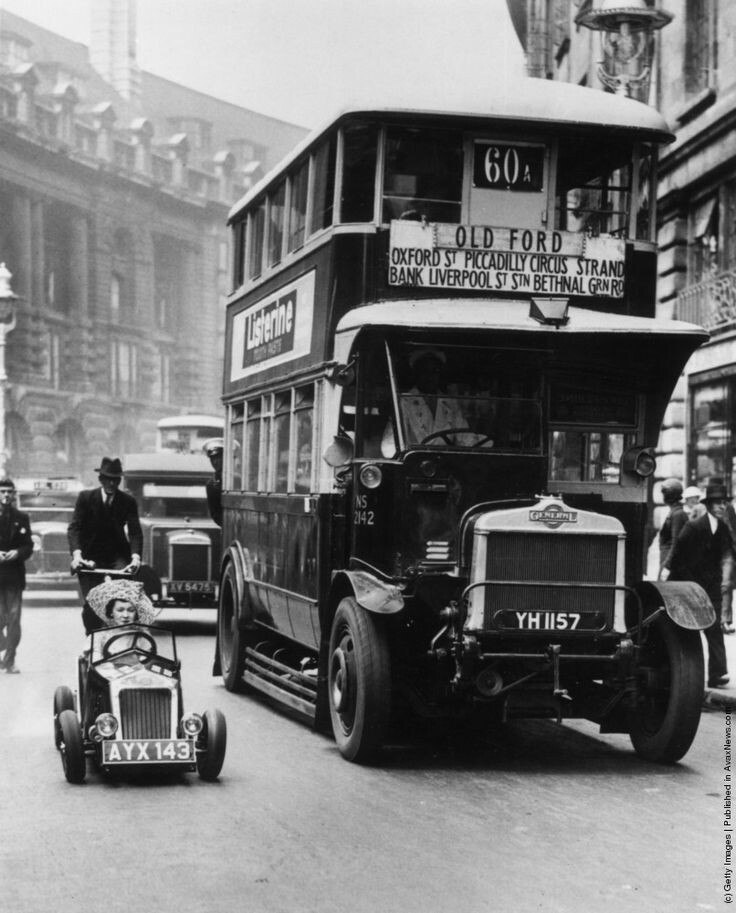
point(134, 566)
point(79, 563)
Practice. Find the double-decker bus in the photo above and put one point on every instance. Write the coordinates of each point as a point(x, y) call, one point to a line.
point(444, 381)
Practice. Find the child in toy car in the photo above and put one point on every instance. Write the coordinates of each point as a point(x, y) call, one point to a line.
point(130, 699)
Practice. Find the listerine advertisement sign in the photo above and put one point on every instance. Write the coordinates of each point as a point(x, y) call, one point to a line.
point(274, 330)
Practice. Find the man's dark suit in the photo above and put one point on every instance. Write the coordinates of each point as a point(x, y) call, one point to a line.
point(707, 558)
point(15, 534)
point(99, 532)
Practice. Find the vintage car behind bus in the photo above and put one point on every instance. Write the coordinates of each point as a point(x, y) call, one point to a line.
point(49, 503)
point(180, 541)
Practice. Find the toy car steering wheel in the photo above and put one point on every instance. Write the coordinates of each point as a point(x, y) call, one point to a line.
point(136, 636)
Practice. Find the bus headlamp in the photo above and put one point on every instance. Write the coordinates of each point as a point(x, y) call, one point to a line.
point(371, 475)
point(106, 725)
point(640, 461)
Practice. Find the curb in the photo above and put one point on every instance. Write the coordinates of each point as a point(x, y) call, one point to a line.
point(719, 699)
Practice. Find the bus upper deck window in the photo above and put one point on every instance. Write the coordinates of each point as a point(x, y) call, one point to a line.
point(277, 201)
point(255, 258)
point(360, 147)
point(423, 176)
point(298, 208)
point(323, 186)
point(239, 236)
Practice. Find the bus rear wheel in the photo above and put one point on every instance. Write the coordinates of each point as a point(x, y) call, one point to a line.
point(231, 639)
point(672, 694)
point(359, 682)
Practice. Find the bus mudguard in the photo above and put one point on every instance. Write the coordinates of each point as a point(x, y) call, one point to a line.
point(373, 594)
point(685, 602)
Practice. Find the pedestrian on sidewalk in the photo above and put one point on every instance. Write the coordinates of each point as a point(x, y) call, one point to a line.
point(674, 522)
point(16, 547)
point(704, 554)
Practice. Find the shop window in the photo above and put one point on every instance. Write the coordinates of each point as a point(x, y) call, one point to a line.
point(704, 246)
point(711, 441)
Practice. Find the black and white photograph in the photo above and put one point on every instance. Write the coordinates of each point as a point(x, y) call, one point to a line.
point(367, 456)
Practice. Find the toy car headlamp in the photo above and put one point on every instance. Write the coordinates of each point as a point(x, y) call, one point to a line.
point(191, 724)
point(107, 725)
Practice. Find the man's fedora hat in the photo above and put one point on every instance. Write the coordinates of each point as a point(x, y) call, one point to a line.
point(112, 468)
point(715, 491)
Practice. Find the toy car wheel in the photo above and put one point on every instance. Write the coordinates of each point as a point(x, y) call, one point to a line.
point(359, 683)
point(211, 745)
point(73, 758)
point(671, 693)
point(63, 700)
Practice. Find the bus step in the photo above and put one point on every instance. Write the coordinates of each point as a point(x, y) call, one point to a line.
point(282, 682)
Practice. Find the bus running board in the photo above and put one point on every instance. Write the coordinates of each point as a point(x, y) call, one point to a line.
point(283, 683)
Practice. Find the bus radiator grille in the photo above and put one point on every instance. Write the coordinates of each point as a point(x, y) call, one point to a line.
point(550, 558)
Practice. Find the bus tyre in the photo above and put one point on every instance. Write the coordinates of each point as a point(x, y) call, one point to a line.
point(671, 693)
point(230, 637)
point(359, 682)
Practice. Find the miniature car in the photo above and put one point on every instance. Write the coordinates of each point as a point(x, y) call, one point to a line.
point(129, 711)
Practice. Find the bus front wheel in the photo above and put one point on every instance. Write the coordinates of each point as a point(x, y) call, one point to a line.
point(671, 693)
point(359, 682)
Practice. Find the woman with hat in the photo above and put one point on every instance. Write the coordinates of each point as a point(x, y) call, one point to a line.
point(105, 531)
point(121, 602)
point(704, 554)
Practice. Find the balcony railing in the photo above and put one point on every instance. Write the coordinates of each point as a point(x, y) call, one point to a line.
point(711, 303)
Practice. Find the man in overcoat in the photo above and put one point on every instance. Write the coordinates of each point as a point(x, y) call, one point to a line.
point(703, 553)
point(16, 547)
point(105, 532)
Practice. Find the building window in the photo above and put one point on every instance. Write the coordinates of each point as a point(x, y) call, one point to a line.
point(116, 284)
point(52, 359)
point(162, 378)
point(704, 240)
point(700, 45)
point(123, 370)
point(168, 272)
point(712, 423)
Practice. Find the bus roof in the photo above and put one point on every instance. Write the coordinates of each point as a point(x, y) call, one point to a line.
point(166, 464)
point(503, 315)
point(529, 101)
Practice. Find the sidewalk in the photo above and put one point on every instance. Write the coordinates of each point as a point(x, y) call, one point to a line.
point(723, 698)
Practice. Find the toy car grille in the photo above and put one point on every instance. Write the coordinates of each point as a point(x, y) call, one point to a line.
point(146, 713)
point(562, 559)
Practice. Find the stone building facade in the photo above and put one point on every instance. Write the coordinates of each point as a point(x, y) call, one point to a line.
point(114, 190)
point(693, 83)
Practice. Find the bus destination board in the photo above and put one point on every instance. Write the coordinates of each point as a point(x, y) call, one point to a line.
point(505, 259)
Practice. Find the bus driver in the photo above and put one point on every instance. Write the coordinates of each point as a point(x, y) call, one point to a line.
point(427, 410)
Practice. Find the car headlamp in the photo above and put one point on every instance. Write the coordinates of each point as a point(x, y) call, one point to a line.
point(191, 724)
point(106, 725)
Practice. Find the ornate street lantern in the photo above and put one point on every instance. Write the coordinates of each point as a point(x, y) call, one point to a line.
point(627, 41)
